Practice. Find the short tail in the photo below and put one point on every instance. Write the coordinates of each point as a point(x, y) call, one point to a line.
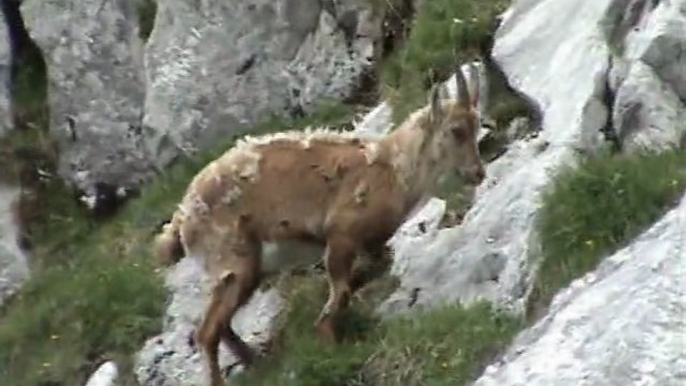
point(167, 246)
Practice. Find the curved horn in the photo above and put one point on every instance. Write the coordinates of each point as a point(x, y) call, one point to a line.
point(462, 90)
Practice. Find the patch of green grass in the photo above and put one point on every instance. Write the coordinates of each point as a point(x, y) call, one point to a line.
point(597, 207)
point(146, 11)
point(297, 357)
point(446, 346)
point(70, 317)
point(97, 296)
point(445, 32)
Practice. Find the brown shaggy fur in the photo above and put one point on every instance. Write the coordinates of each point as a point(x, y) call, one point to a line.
point(282, 199)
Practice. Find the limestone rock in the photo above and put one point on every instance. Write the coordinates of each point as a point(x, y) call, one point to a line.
point(214, 67)
point(647, 114)
point(622, 324)
point(5, 73)
point(555, 55)
point(649, 78)
point(106, 375)
point(519, 128)
point(95, 83)
point(14, 270)
point(173, 358)
point(376, 122)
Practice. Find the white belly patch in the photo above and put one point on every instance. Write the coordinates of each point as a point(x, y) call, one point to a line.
point(289, 254)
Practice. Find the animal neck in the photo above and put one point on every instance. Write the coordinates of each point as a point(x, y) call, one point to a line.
point(415, 168)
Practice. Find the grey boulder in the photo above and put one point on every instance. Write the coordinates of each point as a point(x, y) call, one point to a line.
point(215, 67)
point(623, 324)
point(96, 90)
point(649, 78)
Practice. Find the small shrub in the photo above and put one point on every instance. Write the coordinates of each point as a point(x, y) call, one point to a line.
point(594, 209)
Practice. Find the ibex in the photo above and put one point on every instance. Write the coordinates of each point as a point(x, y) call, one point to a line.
point(273, 200)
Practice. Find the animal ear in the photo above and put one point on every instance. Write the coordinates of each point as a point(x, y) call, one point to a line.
point(474, 83)
point(436, 109)
point(462, 90)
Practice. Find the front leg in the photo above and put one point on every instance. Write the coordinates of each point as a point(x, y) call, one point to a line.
point(338, 260)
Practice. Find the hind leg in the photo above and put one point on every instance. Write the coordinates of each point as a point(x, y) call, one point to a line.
point(232, 291)
point(340, 254)
point(208, 335)
point(245, 287)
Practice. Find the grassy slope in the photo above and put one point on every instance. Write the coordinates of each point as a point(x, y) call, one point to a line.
point(597, 207)
point(97, 295)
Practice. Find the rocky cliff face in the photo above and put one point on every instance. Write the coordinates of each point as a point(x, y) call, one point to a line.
point(622, 324)
point(121, 108)
point(647, 73)
point(559, 55)
point(283, 57)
